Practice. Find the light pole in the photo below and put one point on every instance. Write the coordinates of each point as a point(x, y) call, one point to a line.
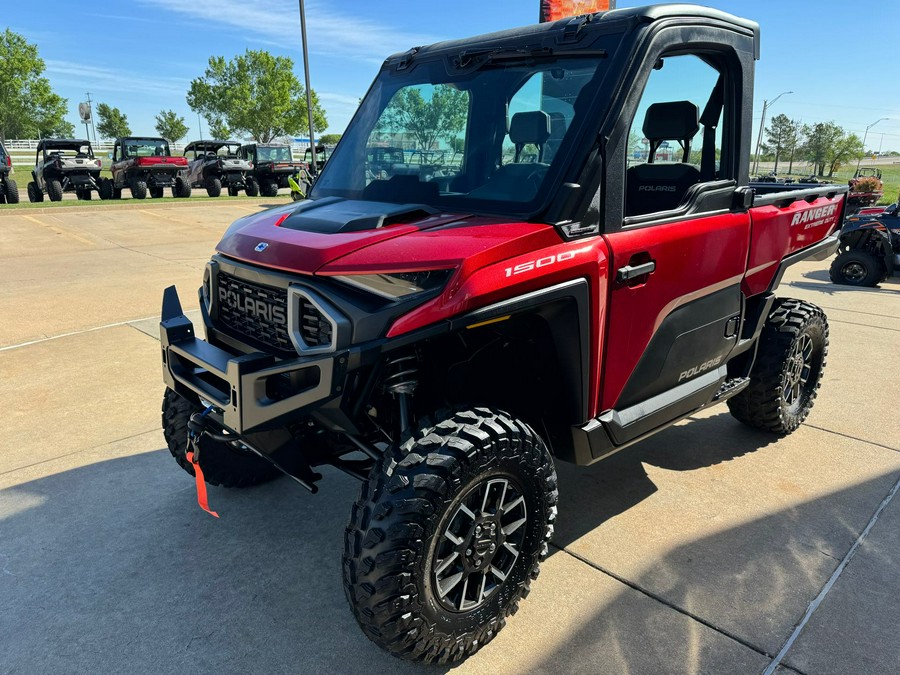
point(762, 124)
point(865, 136)
point(309, 110)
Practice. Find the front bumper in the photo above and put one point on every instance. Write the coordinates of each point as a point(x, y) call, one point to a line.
point(254, 391)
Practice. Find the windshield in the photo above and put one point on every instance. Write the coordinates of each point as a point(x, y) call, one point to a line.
point(490, 139)
point(280, 154)
point(146, 148)
point(71, 151)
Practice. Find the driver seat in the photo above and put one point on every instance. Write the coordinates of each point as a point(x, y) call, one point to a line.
point(510, 181)
point(655, 187)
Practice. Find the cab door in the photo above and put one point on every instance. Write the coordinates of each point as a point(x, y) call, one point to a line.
point(678, 247)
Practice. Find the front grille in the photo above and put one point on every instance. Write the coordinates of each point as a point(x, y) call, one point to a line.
point(315, 329)
point(254, 311)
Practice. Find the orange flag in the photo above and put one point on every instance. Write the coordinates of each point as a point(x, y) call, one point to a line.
point(551, 10)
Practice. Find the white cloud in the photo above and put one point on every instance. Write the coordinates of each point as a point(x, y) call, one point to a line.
point(330, 31)
point(106, 80)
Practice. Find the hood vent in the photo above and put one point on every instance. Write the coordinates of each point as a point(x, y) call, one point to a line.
point(332, 215)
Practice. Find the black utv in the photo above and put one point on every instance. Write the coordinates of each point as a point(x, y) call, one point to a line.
point(9, 191)
point(272, 163)
point(64, 165)
point(216, 164)
point(870, 247)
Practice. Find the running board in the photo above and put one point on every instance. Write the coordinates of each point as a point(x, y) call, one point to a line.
point(617, 429)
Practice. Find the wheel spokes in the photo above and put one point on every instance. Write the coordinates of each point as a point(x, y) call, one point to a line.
point(448, 584)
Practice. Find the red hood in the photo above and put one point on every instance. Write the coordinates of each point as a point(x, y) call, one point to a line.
point(303, 237)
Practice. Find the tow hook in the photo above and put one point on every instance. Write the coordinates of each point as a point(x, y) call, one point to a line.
point(199, 425)
point(196, 429)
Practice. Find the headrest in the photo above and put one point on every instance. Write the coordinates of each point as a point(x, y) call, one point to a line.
point(530, 127)
point(557, 126)
point(674, 120)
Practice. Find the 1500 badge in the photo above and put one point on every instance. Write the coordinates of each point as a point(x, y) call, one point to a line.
point(546, 261)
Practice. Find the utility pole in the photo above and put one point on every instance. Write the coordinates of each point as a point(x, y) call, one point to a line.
point(762, 125)
point(92, 118)
point(309, 110)
point(865, 136)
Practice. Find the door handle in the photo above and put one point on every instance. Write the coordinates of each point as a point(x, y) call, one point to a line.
point(630, 272)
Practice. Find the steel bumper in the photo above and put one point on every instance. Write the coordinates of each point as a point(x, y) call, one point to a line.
point(254, 390)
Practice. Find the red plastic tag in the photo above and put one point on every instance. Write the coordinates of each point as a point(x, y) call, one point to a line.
point(201, 486)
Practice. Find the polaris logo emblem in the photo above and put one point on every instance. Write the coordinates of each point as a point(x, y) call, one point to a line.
point(703, 367)
point(656, 188)
point(265, 311)
point(261, 246)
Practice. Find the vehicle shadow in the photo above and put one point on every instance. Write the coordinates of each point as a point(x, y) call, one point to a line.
point(753, 581)
point(831, 288)
point(591, 495)
point(112, 568)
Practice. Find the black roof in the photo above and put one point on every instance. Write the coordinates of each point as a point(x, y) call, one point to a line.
point(140, 138)
point(214, 145)
point(64, 143)
point(625, 17)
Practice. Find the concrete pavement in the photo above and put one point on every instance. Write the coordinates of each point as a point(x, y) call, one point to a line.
point(698, 551)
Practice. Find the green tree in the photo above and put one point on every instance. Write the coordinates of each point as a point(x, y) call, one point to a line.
point(111, 122)
point(820, 139)
point(28, 105)
point(847, 147)
point(778, 137)
point(171, 126)
point(442, 116)
point(256, 94)
point(795, 141)
point(329, 139)
point(219, 130)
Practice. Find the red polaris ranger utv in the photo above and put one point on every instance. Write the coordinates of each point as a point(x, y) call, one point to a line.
point(556, 289)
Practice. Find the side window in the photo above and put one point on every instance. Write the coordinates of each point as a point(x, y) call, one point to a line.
point(679, 108)
point(550, 93)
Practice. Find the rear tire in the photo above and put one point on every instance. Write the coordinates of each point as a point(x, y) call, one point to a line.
point(54, 190)
point(181, 189)
point(786, 376)
point(269, 188)
point(138, 189)
point(252, 187)
point(222, 465)
point(12, 191)
point(232, 191)
point(34, 193)
point(213, 186)
point(857, 268)
point(446, 489)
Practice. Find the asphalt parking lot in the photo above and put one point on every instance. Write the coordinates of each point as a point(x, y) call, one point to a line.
point(699, 551)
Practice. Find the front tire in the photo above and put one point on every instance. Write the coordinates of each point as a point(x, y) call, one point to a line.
point(252, 189)
point(34, 192)
point(221, 464)
point(156, 192)
point(447, 534)
point(786, 376)
point(106, 189)
point(857, 268)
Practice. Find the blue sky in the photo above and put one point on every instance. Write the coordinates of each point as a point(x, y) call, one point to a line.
point(140, 55)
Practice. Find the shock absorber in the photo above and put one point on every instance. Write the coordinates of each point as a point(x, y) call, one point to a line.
point(401, 381)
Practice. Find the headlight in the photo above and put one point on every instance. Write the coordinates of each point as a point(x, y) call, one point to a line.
point(398, 285)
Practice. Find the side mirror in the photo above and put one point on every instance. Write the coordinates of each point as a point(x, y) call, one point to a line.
point(109, 155)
